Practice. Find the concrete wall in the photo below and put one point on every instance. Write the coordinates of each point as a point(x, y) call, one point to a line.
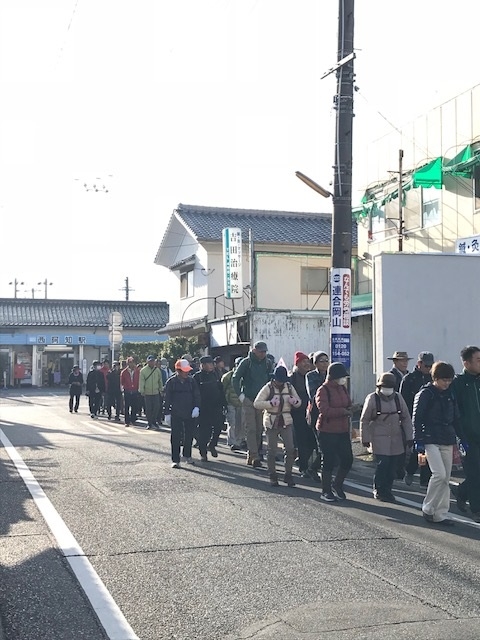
point(423, 302)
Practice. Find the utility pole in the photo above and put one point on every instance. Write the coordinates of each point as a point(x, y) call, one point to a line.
point(46, 284)
point(400, 200)
point(340, 276)
point(15, 286)
point(127, 289)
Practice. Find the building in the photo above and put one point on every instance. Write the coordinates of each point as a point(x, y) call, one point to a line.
point(438, 211)
point(38, 335)
point(286, 258)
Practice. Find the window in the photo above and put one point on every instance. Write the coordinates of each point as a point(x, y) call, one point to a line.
point(314, 280)
point(476, 188)
point(431, 209)
point(186, 284)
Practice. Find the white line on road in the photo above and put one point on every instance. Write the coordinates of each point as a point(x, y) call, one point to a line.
point(107, 610)
point(412, 503)
point(95, 425)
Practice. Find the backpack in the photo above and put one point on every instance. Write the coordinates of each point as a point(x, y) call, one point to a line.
point(272, 390)
point(398, 411)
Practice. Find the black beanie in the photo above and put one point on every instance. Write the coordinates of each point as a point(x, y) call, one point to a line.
point(336, 370)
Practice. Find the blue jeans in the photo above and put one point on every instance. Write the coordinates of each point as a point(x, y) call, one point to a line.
point(385, 473)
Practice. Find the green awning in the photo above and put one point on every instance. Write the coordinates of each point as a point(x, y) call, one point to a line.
point(429, 175)
point(463, 163)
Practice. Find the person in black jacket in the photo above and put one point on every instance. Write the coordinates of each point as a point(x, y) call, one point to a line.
point(75, 380)
point(305, 439)
point(95, 388)
point(213, 408)
point(181, 408)
point(436, 427)
point(409, 387)
point(114, 393)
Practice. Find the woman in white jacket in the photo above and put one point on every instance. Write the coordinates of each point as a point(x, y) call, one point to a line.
point(276, 399)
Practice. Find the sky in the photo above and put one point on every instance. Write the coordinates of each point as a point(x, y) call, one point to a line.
point(211, 102)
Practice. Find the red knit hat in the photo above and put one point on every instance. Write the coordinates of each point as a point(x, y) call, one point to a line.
point(298, 357)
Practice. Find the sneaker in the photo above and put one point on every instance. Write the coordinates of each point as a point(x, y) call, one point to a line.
point(327, 496)
point(408, 479)
point(213, 451)
point(273, 480)
point(461, 503)
point(389, 497)
point(256, 464)
point(204, 458)
point(339, 494)
point(427, 517)
point(189, 460)
point(236, 447)
point(288, 479)
point(127, 424)
point(92, 416)
point(76, 410)
point(175, 465)
point(70, 411)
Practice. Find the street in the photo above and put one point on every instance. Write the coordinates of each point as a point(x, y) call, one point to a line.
point(136, 549)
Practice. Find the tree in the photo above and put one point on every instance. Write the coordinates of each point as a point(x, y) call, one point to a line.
point(172, 349)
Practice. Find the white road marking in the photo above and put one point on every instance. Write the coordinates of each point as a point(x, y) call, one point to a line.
point(93, 424)
point(107, 610)
point(412, 503)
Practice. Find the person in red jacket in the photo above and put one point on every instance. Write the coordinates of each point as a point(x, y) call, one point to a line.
point(333, 426)
point(129, 380)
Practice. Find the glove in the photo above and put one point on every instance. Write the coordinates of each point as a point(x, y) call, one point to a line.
point(293, 401)
point(409, 443)
point(168, 420)
point(195, 412)
point(420, 446)
point(241, 397)
point(462, 447)
point(275, 401)
point(365, 444)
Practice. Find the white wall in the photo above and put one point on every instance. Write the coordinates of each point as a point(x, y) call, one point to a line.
point(425, 302)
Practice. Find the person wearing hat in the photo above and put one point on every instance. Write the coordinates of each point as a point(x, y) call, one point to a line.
point(95, 386)
point(219, 364)
point(214, 404)
point(181, 409)
point(386, 426)
point(400, 367)
point(235, 431)
point(436, 423)
point(251, 375)
point(305, 440)
point(75, 380)
point(150, 387)
point(333, 426)
point(409, 387)
point(275, 400)
point(114, 392)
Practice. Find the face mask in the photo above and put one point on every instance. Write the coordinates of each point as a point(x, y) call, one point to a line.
point(387, 391)
point(342, 381)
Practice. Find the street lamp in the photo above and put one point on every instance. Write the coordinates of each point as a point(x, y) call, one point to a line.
point(46, 284)
point(313, 185)
point(15, 286)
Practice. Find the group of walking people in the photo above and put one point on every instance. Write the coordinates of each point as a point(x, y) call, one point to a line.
point(410, 418)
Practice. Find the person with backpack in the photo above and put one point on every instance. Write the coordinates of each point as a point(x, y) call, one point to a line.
point(275, 400)
point(235, 430)
point(386, 426)
point(251, 375)
point(181, 409)
point(150, 387)
point(436, 423)
point(333, 426)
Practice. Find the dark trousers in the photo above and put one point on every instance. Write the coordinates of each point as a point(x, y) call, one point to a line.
point(385, 473)
point(152, 408)
point(412, 466)
point(131, 401)
point(210, 426)
point(114, 400)
point(94, 400)
point(181, 431)
point(76, 395)
point(305, 441)
point(337, 450)
point(470, 487)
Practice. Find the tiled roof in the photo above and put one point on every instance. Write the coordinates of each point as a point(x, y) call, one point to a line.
point(15, 312)
point(272, 227)
point(179, 326)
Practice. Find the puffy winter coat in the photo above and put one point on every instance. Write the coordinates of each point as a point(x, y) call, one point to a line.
point(332, 399)
point(270, 413)
point(387, 432)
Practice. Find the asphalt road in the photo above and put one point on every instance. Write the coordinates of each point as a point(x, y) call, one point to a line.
point(135, 549)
